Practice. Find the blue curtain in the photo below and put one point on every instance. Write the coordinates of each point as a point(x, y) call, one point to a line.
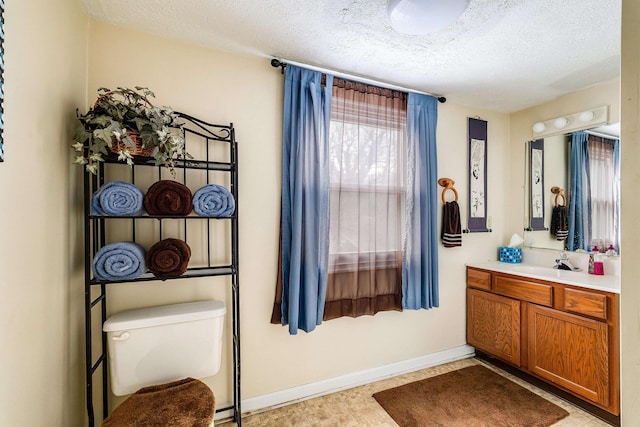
point(580, 202)
point(420, 257)
point(305, 198)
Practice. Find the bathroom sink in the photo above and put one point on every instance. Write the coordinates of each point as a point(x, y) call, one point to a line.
point(533, 269)
point(537, 271)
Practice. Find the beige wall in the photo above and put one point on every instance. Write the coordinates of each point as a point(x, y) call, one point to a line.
point(41, 361)
point(221, 88)
point(630, 207)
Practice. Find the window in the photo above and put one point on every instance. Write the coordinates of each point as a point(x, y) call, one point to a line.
point(367, 158)
point(364, 149)
point(367, 146)
point(604, 191)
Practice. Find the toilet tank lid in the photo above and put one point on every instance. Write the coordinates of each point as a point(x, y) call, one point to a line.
point(163, 315)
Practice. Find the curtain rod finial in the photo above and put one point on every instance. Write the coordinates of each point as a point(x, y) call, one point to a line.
point(442, 99)
point(275, 63)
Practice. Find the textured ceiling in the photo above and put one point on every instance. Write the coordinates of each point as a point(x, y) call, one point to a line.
point(503, 55)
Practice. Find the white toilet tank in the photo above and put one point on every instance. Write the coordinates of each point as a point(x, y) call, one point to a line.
point(156, 345)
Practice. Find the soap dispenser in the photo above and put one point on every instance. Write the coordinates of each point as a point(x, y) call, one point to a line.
point(598, 265)
point(592, 260)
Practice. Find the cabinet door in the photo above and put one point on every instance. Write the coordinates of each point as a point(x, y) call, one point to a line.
point(570, 351)
point(493, 325)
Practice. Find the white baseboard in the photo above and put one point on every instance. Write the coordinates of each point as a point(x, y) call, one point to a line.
point(333, 385)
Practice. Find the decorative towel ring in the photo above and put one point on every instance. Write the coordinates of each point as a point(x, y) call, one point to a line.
point(447, 183)
point(559, 192)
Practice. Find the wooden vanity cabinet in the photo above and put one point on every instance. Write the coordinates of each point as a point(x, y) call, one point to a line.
point(565, 335)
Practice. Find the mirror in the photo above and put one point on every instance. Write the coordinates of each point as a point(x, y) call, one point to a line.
point(549, 181)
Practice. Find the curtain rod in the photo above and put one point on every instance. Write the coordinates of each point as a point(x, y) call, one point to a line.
point(602, 135)
point(275, 63)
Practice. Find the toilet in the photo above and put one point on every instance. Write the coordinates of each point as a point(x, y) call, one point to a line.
point(157, 354)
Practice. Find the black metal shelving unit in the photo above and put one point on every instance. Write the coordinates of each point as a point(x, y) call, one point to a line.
point(216, 139)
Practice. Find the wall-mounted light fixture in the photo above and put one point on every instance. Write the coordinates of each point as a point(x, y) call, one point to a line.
point(417, 17)
point(572, 122)
point(539, 127)
point(560, 122)
point(586, 116)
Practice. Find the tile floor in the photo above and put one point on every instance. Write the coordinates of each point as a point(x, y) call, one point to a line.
point(356, 408)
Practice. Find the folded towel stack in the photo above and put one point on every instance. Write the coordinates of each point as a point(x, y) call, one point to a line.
point(119, 261)
point(214, 201)
point(168, 197)
point(117, 198)
point(168, 258)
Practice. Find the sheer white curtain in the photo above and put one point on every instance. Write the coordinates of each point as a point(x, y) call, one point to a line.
point(603, 191)
point(367, 158)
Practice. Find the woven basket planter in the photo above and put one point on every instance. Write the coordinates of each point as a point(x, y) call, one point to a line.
point(138, 150)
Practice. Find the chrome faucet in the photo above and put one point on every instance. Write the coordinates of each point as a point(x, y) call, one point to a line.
point(563, 262)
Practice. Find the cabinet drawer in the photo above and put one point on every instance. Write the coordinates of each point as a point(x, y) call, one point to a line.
point(478, 279)
point(584, 302)
point(536, 293)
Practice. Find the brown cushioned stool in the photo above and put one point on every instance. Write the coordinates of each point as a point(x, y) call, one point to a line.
point(183, 403)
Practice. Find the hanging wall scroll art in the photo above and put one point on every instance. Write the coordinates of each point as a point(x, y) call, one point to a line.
point(536, 185)
point(477, 220)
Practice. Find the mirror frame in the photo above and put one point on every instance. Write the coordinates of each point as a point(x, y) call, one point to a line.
point(531, 236)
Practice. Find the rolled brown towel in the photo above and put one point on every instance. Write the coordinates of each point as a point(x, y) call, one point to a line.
point(168, 197)
point(168, 258)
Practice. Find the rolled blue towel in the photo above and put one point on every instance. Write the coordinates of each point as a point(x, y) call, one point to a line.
point(213, 200)
point(119, 261)
point(117, 198)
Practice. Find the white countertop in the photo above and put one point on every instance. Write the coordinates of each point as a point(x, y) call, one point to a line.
point(607, 283)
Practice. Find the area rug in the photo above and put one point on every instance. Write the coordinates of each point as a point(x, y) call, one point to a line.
point(474, 396)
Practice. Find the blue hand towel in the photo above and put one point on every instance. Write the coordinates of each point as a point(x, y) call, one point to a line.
point(213, 200)
point(117, 198)
point(119, 261)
